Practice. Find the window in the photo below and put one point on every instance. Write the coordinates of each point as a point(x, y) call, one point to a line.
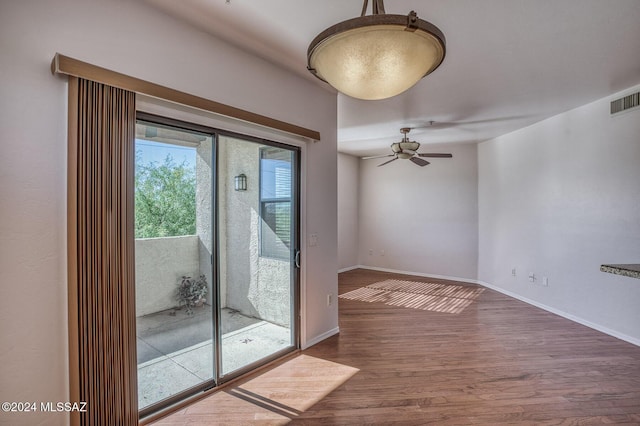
point(275, 202)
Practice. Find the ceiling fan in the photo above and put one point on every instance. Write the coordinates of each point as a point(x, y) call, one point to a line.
point(406, 150)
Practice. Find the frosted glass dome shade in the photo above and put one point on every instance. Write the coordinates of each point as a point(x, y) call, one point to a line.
point(370, 60)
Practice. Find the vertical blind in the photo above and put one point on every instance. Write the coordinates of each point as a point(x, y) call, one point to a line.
point(103, 367)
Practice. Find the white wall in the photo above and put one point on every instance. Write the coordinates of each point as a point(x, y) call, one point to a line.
point(131, 38)
point(425, 219)
point(559, 199)
point(348, 175)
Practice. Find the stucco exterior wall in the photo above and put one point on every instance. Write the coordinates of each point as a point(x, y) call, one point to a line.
point(204, 209)
point(255, 286)
point(160, 263)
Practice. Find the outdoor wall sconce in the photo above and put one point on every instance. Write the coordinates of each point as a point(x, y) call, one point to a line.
point(241, 182)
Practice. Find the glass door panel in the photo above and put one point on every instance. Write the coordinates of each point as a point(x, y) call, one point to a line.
point(257, 244)
point(173, 227)
point(216, 223)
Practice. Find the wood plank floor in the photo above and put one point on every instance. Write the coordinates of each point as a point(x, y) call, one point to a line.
point(497, 361)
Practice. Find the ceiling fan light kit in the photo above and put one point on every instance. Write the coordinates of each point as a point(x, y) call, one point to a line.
point(407, 150)
point(376, 56)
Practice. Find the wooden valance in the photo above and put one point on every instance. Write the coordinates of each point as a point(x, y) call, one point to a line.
point(68, 66)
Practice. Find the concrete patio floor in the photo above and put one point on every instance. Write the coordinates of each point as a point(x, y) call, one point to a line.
point(175, 350)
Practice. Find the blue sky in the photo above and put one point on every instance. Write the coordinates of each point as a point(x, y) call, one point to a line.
point(156, 151)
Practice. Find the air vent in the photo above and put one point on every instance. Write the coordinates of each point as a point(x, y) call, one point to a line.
point(625, 103)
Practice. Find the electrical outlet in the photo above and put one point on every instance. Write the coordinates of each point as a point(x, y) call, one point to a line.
point(513, 272)
point(370, 252)
point(532, 276)
point(545, 281)
point(382, 253)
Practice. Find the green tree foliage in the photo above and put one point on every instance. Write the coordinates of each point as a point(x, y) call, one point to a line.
point(165, 199)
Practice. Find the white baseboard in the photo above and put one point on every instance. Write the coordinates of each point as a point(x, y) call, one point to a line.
point(563, 314)
point(320, 337)
point(598, 327)
point(348, 268)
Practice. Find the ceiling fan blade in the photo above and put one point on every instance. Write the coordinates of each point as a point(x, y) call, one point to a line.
point(377, 156)
point(433, 155)
point(387, 162)
point(419, 161)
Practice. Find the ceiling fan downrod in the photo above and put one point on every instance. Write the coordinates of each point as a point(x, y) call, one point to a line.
point(404, 131)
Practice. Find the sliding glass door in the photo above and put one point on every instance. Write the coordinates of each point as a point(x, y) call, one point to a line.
point(174, 268)
point(216, 245)
point(257, 223)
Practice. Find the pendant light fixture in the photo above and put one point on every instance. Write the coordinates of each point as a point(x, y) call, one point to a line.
point(376, 56)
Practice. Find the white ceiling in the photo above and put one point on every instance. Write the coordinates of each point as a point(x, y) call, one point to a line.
point(509, 63)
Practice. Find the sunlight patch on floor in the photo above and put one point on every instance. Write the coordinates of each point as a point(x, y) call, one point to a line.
point(447, 298)
point(300, 382)
point(272, 398)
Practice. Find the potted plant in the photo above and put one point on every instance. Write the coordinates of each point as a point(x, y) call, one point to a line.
point(191, 292)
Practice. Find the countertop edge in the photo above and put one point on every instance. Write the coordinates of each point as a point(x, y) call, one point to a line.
point(625, 270)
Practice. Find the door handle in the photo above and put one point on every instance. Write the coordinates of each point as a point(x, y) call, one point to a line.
point(297, 259)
